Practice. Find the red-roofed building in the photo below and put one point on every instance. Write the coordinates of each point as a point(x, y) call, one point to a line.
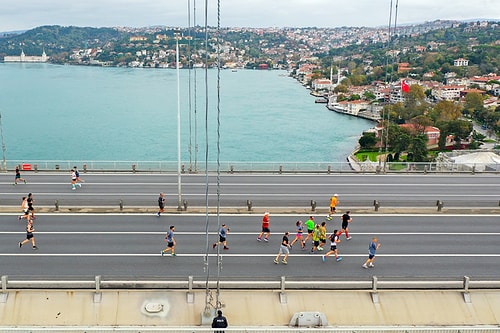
point(433, 133)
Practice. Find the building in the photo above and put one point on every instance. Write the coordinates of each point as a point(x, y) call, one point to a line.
point(24, 58)
point(322, 84)
point(460, 62)
point(448, 92)
point(433, 133)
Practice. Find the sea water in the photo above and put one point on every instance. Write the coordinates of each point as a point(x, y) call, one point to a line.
point(55, 112)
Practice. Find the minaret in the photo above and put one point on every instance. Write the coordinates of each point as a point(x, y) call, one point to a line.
point(23, 56)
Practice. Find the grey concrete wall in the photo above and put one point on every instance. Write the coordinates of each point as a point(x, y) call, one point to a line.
point(249, 308)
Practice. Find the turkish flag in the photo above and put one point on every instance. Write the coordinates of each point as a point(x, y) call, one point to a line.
point(404, 86)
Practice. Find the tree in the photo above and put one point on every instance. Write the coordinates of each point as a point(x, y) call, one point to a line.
point(418, 148)
point(445, 111)
point(460, 129)
point(420, 123)
point(368, 140)
point(473, 103)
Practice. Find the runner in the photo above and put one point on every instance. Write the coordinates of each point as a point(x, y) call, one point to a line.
point(333, 206)
point(29, 236)
point(78, 179)
point(346, 220)
point(316, 234)
point(169, 238)
point(74, 179)
point(283, 250)
point(31, 209)
point(298, 234)
point(24, 208)
point(222, 237)
point(161, 203)
point(310, 229)
point(265, 228)
point(334, 240)
point(18, 177)
point(322, 236)
point(372, 252)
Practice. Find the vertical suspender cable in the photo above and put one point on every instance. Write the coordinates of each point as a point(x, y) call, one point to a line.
point(388, 115)
point(219, 263)
point(385, 123)
point(207, 224)
point(190, 98)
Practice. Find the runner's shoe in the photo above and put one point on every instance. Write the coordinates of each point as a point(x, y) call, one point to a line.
point(266, 239)
point(284, 262)
point(20, 244)
point(364, 266)
point(162, 253)
point(338, 258)
point(174, 255)
point(35, 247)
point(323, 258)
point(371, 265)
point(259, 239)
point(276, 261)
point(226, 248)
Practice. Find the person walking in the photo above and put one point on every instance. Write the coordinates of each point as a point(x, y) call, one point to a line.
point(18, 177)
point(310, 229)
point(334, 200)
point(372, 252)
point(265, 228)
point(299, 226)
point(29, 236)
point(170, 239)
point(334, 240)
point(346, 220)
point(223, 231)
point(161, 203)
point(219, 322)
point(284, 250)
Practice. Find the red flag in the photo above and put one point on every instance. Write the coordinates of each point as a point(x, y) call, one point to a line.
point(404, 86)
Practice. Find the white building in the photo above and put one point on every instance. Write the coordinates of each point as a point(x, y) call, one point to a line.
point(24, 58)
point(460, 62)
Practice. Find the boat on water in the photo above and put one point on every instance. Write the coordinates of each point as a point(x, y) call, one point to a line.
point(321, 100)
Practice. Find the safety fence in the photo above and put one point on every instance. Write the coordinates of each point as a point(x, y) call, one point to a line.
point(255, 167)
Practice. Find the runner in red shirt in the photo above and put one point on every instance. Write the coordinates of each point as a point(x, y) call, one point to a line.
point(265, 228)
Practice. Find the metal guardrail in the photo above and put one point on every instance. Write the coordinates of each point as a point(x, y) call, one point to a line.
point(256, 167)
point(283, 284)
point(198, 329)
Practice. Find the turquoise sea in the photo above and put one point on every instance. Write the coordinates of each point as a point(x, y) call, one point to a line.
point(53, 112)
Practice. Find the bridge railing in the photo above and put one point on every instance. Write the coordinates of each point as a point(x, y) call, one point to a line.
point(189, 283)
point(255, 167)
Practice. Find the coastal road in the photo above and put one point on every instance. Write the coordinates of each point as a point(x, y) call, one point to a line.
point(264, 190)
point(128, 246)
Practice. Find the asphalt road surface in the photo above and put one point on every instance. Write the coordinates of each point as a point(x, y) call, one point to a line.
point(263, 190)
point(128, 246)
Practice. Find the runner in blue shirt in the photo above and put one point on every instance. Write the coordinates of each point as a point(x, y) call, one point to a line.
point(222, 237)
point(169, 238)
point(372, 251)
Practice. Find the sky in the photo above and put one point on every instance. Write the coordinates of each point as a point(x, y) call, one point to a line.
point(27, 14)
